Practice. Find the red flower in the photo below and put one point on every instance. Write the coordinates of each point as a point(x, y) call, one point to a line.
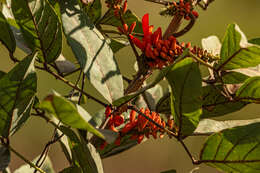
point(149, 39)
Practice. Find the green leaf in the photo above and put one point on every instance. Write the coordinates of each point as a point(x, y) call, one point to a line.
point(68, 113)
point(236, 52)
point(255, 41)
point(40, 27)
point(234, 150)
point(250, 90)
point(169, 171)
point(92, 51)
point(93, 10)
point(116, 45)
point(213, 126)
point(186, 83)
point(17, 89)
point(6, 34)
point(84, 154)
point(46, 167)
point(72, 169)
point(4, 157)
point(2, 74)
point(215, 104)
point(129, 18)
point(164, 104)
point(233, 77)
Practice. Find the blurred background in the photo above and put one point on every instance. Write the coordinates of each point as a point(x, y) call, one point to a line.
point(152, 156)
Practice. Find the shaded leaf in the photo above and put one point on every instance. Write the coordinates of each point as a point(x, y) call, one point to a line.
point(84, 155)
point(40, 27)
point(169, 171)
point(255, 41)
point(129, 18)
point(116, 45)
point(73, 169)
point(215, 104)
point(92, 51)
point(186, 83)
point(164, 104)
point(2, 74)
point(236, 52)
point(17, 89)
point(250, 90)
point(46, 167)
point(93, 10)
point(6, 34)
point(4, 157)
point(234, 150)
point(64, 65)
point(213, 126)
point(233, 77)
point(68, 113)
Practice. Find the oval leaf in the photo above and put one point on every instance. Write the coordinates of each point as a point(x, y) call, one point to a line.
point(186, 83)
point(68, 113)
point(236, 52)
point(234, 150)
point(17, 89)
point(6, 34)
point(40, 26)
point(92, 51)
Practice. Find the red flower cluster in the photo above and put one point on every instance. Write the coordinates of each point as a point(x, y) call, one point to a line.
point(184, 9)
point(138, 126)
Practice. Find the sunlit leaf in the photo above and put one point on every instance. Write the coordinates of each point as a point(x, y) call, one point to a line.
point(233, 77)
point(236, 52)
point(46, 167)
point(17, 89)
point(116, 45)
point(92, 51)
point(250, 90)
point(6, 34)
point(68, 113)
point(234, 150)
point(40, 26)
point(186, 83)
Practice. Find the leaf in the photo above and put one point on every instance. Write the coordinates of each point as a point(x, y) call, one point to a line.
point(169, 171)
point(213, 126)
point(116, 45)
point(7, 170)
point(234, 150)
point(164, 104)
point(186, 83)
point(68, 113)
point(64, 65)
point(215, 104)
point(236, 52)
point(4, 157)
point(255, 41)
point(129, 18)
point(92, 51)
point(72, 169)
point(46, 167)
point(6, 34)
point(2, 74)
point(83, 154)
point(17, 89)
point(40, 27)
point(233, 77)
point(93, 10)
point(250, 90)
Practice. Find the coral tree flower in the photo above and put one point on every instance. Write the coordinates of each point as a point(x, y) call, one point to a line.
point(149, 39)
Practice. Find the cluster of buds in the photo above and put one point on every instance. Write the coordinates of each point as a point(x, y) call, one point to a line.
point(138, 126)
point(182, 7)
point(115, 5)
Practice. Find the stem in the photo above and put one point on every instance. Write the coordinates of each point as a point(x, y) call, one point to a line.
point(25, 160)
point(173, 26)
point(194, 161)
point(201, 61)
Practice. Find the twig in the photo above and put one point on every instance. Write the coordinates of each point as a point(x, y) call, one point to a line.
point(82, 88)
point(201, 61)
point(173, 26)
point(194, 161)
point(187, 28)
point(24, 159)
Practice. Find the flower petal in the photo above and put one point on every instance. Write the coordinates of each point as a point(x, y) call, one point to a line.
point(145, 24)
point(137, 42)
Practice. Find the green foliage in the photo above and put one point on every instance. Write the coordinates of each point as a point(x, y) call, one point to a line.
point(41, 28)
point(17, 89)
point(6, 35)
point(4, 157)
point(233, 150)
point(96, 60)
point(185, 81)
point(68, 113)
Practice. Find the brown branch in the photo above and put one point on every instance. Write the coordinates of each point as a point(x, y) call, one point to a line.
point(173, 26)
